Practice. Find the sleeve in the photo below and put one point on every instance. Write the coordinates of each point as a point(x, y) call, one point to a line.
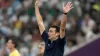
point(45, 36)
point(62, 41)
point(17, 54)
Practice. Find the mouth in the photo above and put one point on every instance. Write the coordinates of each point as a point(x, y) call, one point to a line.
point(49, 37)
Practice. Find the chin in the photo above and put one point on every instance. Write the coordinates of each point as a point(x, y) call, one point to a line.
point(50, 38)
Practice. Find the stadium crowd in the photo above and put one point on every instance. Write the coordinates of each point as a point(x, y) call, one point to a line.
point(18, 20)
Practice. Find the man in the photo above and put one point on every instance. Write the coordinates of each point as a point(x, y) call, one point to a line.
point(55, 38)
point(41, 49)
point(87, 27)
point(12, 44)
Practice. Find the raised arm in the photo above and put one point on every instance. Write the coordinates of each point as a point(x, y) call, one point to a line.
point(66, 9)
point(39, 17)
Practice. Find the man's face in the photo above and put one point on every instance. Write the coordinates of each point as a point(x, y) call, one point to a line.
point(52, 33)
point(10, 45)
point(41, 48)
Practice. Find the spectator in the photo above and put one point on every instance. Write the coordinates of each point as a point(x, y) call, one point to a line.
point(87, 26)
point(23, 50)
point(41, 49)
point(17, 18)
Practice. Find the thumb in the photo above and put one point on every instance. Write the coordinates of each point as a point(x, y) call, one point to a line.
point(63, 5)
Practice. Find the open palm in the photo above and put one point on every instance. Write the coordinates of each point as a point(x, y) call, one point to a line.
point(67, 7)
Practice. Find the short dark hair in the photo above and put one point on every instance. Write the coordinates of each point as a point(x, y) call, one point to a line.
point(14, 41)
point(56, 27)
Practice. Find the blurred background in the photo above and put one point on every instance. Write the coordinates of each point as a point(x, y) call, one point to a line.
point(18, 20)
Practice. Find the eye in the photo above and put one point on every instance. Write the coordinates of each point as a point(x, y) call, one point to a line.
point(50, 31)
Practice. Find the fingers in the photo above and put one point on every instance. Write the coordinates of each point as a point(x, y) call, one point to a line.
point(69, 4)
point(63, 5)
point(72, 7)
point(36, 2)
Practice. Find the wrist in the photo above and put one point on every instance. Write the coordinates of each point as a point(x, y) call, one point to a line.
point(65, 13)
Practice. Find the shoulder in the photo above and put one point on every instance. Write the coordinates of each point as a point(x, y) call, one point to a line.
point(44, 34)
point(16, 53)
point(61, 41)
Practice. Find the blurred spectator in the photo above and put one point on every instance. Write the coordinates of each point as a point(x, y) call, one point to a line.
point(41, 49)
point(13, 19)
point(18, 24)
point(16, 4)
point(17, 27)
point(36, 35)
point(3, 49)
point(87, 26)
point(27, 37)
point(23, 50)
point(27, 3)
point(17, 18)
point(77, 7)
point(34, 50)
point(4, 4)
point(24, 18)
point(52, 3)
point(5, 29)
point(69, 47)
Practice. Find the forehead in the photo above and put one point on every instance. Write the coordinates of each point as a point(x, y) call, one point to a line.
point(52, 28)
point(9, 41)
point(41, 45)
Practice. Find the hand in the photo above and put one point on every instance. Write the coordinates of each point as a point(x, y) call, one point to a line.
point(36, 2)
point(67, 7)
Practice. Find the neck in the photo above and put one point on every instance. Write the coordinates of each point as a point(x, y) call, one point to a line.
point(41, 54)
point(11, 50)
